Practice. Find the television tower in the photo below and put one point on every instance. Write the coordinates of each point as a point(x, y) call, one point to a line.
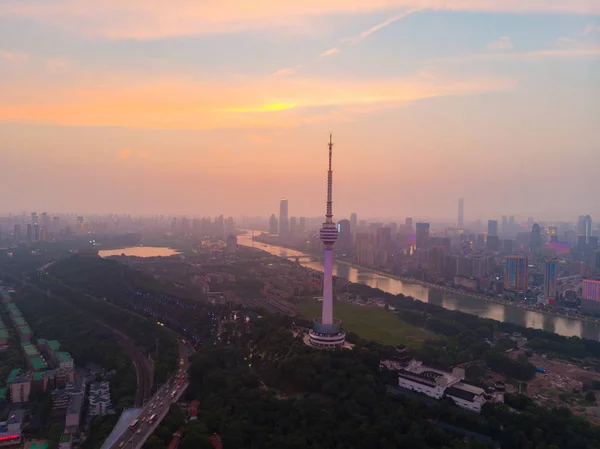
point(327, 332)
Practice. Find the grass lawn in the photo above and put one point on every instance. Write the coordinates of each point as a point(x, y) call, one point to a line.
point(372, 323)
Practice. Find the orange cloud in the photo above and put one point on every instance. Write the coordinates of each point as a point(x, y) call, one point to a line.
point(249, 103)
point(13, 57)
point(287, 71)
point(330, 52)
point(125, 153)
point(150, 19)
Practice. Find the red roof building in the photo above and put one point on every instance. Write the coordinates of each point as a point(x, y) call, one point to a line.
point(176, 438)
point(216, 441)
point(193, 408)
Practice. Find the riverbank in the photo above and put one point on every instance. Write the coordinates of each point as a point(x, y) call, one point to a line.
point(455, 291)
point(445, 289)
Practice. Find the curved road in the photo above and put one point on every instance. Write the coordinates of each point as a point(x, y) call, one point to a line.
point(157, 407)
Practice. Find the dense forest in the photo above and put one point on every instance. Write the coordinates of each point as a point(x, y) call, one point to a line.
point(283, 394)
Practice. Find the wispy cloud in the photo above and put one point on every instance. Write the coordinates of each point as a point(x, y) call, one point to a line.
point(553, 53)
point(287, 71)
point(591, 28)
point(13, 57)
point(125, 154)
point(566, 42)
point(330, 52)
point(269, 107)
point(502, 43)
point(177, 103)
point(143, 154)
point(354, 40)
point(152, 19)
point(58, 64)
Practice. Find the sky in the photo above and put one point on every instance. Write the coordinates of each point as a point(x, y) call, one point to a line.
point(225, 106)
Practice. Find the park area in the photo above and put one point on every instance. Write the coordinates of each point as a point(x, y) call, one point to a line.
point(369, 322)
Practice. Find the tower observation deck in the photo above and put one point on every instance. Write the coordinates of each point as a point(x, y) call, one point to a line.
point(327, 332)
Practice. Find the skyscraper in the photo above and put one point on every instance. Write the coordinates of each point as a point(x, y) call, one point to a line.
point(293, 227)
point(284, 224)
point(584, 227)
point(492, 227)
point(422, 235)
point(344, 242)
point(516, 275)
point(327, 332)
point(17, 233)
point(273, 225)
point(535, 240)
point(353, 222)
point(461, 205)
point(550, 277)
point(302, 225)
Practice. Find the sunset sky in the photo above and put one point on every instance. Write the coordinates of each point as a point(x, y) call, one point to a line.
point(223, 106)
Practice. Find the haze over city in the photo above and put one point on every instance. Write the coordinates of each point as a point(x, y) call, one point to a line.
point(224, 107)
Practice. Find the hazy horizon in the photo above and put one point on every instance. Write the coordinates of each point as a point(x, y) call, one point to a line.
point(223, 108)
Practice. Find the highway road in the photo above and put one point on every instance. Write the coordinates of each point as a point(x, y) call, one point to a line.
point(157, 407)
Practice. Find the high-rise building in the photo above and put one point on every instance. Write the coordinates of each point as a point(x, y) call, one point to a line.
point(17, 233)
point(384, 237)
point(492, 227)
point(590, 290)
point(293, 226)
point(408, 223)
point(492, 243)
point(550, 277)
point(482, 266)
point(584, 227)
point(353, 222)
point(365, 253)
point(437, 259)
point(504, 224)
point(273, 224)
point(284, 224)
point(422, 235)
point(590, 296)
point(535, 242)
point(231, 244)
point(461, 211)
point(344, 241)
point(301, 225)
point(327, 332)
point(516, 274)
point(36, 232)
point(29, 232)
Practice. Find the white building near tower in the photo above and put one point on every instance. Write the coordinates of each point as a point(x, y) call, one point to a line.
point(327, 331)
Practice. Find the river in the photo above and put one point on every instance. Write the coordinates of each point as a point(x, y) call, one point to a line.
point(139, 251)
point(486, 309)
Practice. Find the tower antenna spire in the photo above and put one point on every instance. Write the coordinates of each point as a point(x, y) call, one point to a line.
point(329, 213)
point(327, 331)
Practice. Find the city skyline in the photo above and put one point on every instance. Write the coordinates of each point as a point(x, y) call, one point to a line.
point(139, 109)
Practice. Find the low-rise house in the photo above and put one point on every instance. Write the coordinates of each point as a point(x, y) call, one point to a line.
point(64, 360)
point(73, 413)
point(99, 398)
point(20, 386)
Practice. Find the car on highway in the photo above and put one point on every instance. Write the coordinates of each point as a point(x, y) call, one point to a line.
point(139, 431)
point(121, 444)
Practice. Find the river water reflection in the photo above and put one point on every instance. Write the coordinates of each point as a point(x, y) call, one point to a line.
point(560, 325)
point(139, 251)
